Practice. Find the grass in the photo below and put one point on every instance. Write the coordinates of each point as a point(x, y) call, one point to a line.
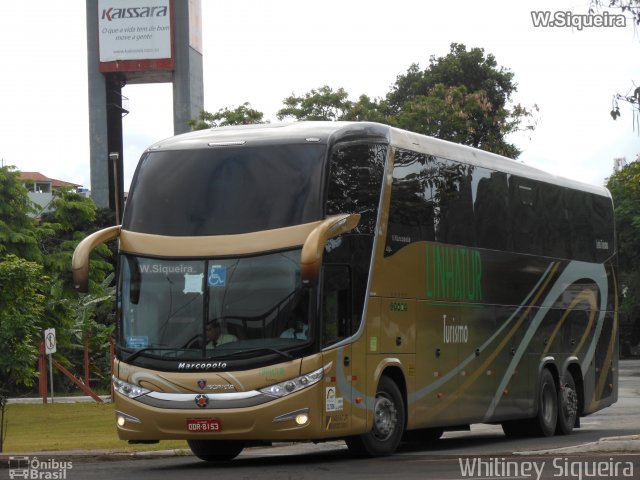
point(69, 426)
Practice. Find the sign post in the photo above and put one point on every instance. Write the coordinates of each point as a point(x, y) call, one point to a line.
point(50, 348)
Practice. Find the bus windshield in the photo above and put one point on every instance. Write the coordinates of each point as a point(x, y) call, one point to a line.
point(226, 190)
point(213, 308)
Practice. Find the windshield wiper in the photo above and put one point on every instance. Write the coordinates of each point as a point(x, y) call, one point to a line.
point(262, 349)
point(137, 353)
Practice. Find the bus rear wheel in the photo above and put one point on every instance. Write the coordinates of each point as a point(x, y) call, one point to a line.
point(216, 450)
point(567, 405)
point(544, 423)
point(388, 423)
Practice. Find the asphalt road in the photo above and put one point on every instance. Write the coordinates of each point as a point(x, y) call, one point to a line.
point(335, 464)
point(483, 453)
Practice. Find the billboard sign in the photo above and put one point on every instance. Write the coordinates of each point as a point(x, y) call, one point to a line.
point(135, 35)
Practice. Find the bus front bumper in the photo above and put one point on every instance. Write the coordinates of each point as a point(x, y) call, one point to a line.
point(245, 416)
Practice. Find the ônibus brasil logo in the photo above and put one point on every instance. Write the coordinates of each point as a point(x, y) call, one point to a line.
point(111, 13)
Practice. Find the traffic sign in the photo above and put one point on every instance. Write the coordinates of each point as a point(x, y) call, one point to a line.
point(50, 341)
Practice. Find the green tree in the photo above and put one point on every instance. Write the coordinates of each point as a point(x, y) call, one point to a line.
point(93, 318)
point(630, 8)
point(36, 288)
point(22, 297)
point(464, 97)
point(72, 218)
point(632, 98)
point(17, 227)
point(241, 115)
point(366, 109)
point(625, 190)
point(23, 288)
point(321, 104)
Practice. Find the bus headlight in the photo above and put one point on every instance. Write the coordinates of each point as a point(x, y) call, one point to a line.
point(295, 384)
point(127, 389)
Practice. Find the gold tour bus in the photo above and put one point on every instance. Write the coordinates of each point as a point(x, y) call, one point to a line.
point(337, 280)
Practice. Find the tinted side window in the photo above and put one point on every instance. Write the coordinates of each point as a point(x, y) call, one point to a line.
point(524, 208)
point(355, 182)
point(580, 207)
point(413, 200)
point(431, 199)
point(435, 199)
point(456, 217)
point(603, 228)
point(554, 221)
point(491, 208)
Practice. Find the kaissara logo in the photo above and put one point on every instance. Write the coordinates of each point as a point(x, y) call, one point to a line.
point(111, 13)
point(202, 384)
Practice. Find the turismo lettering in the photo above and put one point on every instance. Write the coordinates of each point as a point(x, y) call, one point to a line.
point(454, 333)
point(453, 273)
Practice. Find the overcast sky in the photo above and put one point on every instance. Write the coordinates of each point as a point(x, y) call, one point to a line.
point(262, 51)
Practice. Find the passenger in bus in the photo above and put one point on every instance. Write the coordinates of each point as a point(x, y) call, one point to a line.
point(299, 331)
point(298, 326)
point(216, 337)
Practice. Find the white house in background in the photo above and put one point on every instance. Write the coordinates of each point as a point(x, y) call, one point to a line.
point(41, 187)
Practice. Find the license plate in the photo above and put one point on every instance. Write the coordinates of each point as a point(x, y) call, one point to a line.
point(203, 425)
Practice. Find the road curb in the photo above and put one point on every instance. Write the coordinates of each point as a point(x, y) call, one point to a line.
point(623, 444)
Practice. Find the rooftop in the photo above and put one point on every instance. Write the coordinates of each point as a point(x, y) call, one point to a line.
point(39, 177)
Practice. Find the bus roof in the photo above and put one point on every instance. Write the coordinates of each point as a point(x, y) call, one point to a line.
point(332, 132)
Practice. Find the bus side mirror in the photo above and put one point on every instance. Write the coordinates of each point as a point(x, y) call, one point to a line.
point(313, 248)
point(80, 260)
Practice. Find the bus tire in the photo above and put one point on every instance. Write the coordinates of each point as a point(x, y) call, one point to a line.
point(216, 450)
point(388, 423)
point(567, 405)
point(545, 422)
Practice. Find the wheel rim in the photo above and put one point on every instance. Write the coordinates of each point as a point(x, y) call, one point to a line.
point(569, 402)
point(385, 418)
point(547, 404)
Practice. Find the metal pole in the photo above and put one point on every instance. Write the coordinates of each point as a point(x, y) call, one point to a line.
point(42, 373)
point(51, 376)
point(86, 359)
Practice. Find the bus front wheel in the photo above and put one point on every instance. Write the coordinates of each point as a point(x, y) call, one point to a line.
point(388, 423)
point(215, 450)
